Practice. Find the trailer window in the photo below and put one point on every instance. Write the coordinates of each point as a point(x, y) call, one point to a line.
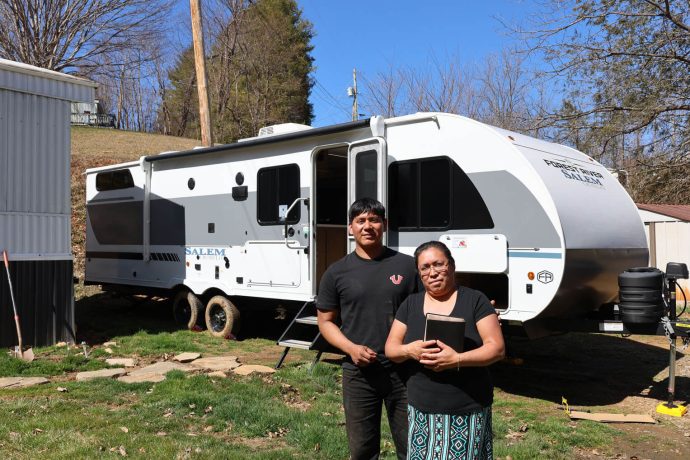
point(434, 194)
point(114, 180)
point(277, 189)
point(366, 174)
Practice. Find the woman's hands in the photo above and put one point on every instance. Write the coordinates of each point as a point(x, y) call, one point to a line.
point(415, 350)
point(440, 358)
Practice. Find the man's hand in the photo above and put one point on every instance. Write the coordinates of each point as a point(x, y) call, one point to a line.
point(362, 355)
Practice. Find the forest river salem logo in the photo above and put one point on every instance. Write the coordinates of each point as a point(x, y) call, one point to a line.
point(204, 251)
point(396, 279)
point(578, 174)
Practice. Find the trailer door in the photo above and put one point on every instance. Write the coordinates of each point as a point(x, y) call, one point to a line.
point(366, 175)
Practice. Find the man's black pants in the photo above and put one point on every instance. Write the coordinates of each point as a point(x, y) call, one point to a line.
point(364, 392)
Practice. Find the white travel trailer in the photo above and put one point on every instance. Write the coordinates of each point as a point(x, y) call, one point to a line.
point(541, 228)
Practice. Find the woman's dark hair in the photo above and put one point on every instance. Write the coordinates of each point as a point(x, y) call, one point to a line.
point(366, 205)
point(436, 245)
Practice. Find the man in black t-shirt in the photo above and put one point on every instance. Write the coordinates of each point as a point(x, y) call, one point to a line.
point(365, 288)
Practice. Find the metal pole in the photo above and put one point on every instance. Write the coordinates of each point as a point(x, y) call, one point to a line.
point(672, 352)
point(355, 110)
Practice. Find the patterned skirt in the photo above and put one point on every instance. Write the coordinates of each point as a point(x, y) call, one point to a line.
point(449, 437)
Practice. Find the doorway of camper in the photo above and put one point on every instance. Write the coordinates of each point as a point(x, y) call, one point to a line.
point(330, 219)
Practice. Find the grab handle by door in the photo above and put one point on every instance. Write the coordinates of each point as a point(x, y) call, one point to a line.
point(287, 231)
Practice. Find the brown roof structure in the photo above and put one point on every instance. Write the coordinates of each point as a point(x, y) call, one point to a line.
point(677, 211)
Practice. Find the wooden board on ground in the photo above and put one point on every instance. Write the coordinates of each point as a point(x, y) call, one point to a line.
point(610, 418)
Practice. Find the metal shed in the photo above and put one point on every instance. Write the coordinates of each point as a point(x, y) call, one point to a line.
point(668, 233)
point(35, 200)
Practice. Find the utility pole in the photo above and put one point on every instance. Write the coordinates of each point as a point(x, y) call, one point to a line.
point(202, 82)
point(352, 92)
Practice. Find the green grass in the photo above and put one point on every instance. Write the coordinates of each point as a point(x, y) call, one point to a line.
point(290, 414)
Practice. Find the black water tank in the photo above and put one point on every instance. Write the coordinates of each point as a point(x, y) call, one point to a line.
point(640, 293)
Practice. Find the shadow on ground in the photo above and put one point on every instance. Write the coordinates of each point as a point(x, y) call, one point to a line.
point(102, 316)
point(588, 369)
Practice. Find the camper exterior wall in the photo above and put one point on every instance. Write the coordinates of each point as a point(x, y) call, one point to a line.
point(239, 256)
point(573, 233)
point(524, 215)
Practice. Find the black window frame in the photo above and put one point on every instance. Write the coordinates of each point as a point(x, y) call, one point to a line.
point(456, 220)
point(113, 185)
point(295, 213)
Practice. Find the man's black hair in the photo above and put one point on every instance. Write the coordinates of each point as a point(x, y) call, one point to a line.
point(366, 205)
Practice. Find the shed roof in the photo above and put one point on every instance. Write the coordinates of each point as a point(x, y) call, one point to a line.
point(678, 211)
point(25, 78)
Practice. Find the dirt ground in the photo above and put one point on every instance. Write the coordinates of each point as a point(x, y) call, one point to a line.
point(606, 373)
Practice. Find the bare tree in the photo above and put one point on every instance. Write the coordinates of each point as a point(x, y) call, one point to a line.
point(625, 67)
point(501, 91)
point(77, 34)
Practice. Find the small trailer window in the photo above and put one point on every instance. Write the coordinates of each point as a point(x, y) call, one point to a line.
point(114, 180)
point(434, 194)
point(277, 188)
point(366, 174)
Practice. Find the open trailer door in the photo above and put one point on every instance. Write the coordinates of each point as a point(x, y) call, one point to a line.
point(366, 175)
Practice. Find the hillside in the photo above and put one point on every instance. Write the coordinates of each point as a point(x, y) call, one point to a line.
point(93, 147)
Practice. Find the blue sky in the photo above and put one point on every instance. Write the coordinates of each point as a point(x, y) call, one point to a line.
point(376, 34)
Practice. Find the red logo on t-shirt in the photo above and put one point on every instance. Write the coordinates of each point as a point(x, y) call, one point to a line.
point(396, 279)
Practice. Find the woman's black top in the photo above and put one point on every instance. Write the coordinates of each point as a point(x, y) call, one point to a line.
point(450, 391)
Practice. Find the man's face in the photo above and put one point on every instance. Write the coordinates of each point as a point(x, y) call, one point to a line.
point(368, 228)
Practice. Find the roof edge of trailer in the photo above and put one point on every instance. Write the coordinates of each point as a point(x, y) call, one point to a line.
point(322, 131)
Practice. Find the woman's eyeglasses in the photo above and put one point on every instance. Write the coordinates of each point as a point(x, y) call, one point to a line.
point(438, 267)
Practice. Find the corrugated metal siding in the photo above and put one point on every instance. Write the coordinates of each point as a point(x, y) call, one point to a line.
point(45, 86)
point(45, 302)
point(35, 175)
point(38, 154)
point(31, 236)
point(4, 152)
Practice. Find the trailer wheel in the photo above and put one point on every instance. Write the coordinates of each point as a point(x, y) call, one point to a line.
point(186, 308)
point(222, 317)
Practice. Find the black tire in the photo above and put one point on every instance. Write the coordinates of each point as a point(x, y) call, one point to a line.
point(222, 317)
point(186, 308)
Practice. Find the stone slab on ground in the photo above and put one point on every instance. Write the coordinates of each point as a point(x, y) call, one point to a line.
point(220, 374)
point(21, 382)
point(152, 378)
point(124, 362)
point(103, 373)
point(216, 363)
point(187, 357)
point(253, 368)
point(162, 368)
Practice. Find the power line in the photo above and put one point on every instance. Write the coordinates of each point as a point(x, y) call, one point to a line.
point(331, 101)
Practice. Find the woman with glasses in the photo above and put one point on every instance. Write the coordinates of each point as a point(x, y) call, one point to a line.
point(449, 392)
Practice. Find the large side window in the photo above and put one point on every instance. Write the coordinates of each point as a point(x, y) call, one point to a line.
point(434, 194)
point(277, 188)
point(114, 180)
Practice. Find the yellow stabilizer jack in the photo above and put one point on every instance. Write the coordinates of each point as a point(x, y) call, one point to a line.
point(675, 410)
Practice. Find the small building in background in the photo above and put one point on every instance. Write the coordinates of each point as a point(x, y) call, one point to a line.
point(91, 114)
point(668, 234)
point(35, 204)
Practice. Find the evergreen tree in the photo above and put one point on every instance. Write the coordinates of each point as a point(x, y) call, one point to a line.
point(258, 72)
